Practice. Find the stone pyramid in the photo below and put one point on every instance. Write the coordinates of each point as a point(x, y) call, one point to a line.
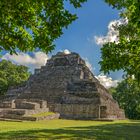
point(70, 89)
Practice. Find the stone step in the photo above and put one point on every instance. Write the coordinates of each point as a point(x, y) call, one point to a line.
point(30, 103)
point(11, 120)
point(17, 117)
point(7, 104)
point(30, 118)
point(9, 97)
point(1, 114)
point(21, 112)
point(27, 105)
point(43, 103)
point(10, 112)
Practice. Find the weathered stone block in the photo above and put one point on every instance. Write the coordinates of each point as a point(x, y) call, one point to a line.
point(19, 104)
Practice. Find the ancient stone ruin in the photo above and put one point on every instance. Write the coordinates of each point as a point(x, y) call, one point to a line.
point(65, 86)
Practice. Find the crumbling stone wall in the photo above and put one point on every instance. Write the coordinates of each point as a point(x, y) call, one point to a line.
point(77, 111)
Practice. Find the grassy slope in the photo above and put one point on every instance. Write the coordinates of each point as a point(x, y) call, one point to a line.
point(43, 114)
point(70, 130)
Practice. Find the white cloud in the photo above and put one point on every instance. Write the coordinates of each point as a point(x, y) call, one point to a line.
point(66, 51)
point(37, 60)
point(107, 81)
point(113, 33)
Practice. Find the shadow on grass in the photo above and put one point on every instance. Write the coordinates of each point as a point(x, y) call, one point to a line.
point(122, 131)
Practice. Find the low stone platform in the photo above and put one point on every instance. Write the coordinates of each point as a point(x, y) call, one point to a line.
point(21, 109)
point(30, 118)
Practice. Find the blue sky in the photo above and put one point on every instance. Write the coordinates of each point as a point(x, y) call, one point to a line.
point(93, 20)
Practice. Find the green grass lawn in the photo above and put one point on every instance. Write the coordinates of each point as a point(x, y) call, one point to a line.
point(70, 130)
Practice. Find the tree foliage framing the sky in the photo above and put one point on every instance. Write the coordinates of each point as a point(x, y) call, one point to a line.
point(125, 54)
point(26, 25)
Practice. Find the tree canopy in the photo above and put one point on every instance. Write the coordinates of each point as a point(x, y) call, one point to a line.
point(124, 54)
point(11, 75)
point(127, 93)
point(26, 25)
